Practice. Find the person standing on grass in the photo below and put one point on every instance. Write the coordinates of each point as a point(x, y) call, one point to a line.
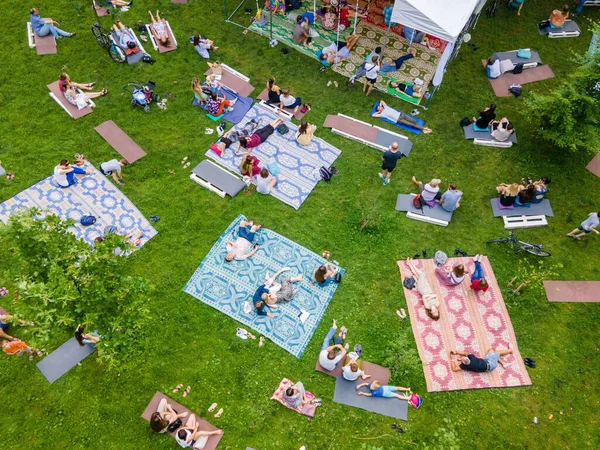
point(451, 198)
point(586, 227)
point(471, 363)
point(371, 69)
point(113, 168)
point(390, 159)
point(361, 72)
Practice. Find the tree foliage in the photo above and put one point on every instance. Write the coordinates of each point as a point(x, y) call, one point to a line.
point(62, 281)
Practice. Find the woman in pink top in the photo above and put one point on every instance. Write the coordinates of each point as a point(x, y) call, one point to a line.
point(260, 135)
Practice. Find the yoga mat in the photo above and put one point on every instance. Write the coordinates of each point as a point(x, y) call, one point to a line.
point(470, 133)
point(215, 175)
point(512, 56)
point(399, 125)
point(345, 394)
point(469, 321)
point(569, 26)
point(573, 291)
point(92, 194)
point(3, 311)
point(233, 82)
point(358, 129)
point(298, 115)
point(120, 141)
point(536, 209)
point(134, 58)
point(178, 1)
point(63, 359)
point(165, 48)
point(501, 84)
point(75, 112)
point(227, 286)
point(101, 11)
point(212, 442)
point(594, 165)
point(386, 139)
point(45, 45)
point(299, 164)
point(377, 372)
point(404, 202)
point(307, 410)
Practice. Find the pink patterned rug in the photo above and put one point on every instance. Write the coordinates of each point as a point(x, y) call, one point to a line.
point(468, 322)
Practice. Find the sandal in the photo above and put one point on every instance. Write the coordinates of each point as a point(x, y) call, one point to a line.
point(187, 391)
point(184, 160)
point(212, 407)
point(104, 92)
point(261, 341)
point(177, 388)
point(219, 413)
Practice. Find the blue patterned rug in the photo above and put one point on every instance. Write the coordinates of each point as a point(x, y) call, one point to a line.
point(226, 286)
point(93, 194)
point(297, 164)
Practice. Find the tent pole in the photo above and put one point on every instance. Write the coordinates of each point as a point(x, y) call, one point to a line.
point(315, 10)
point(385, 40)
point(270, 24)
point(355, 17)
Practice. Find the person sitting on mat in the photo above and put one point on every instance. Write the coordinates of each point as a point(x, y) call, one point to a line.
point(361, 72)
point(377, 390)
point(249, 166)
point(353, 368)
point(508, 193)
point(280, 292)
point(478, 281)
point(305, 133)
point(385, 111)
point(430, 300)
point(471, 363)
point(164, 416)
point(412, 90)
point(203, 45)
point(234, 135)
point(485, 117)
point(557, 18)
point(451, 276)
point(125, 38)
point(324, 275)
point(301, 34)
point(541, 188)
point(78, 98)
point(273, 91)
point(586, 227)
point(501, 130)
point(331, 355)
point(265, 182)
point(387, 67)
point(516, 4)
point(288, 101)
point(159, 29)
point(526, 195)
point(430, 192)
point(492, 68)
point(451, 198)
point(191, 436)
point(83, 338)
point(113, 168)
point(390, 158)
point(16, 347)
point(338, 51)
point(295, 395)
point(200, 95)
point(64, 173)
point(240, 249)
point(216, 105)
point(260, 135)
point(44, 27)
point(6, 320)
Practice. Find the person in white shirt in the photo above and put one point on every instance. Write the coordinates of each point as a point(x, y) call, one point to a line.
point(501, 130)
point(430, 192)
point(286, 100)
point(113, 168)
point(240, 249)
point(265, 182)
point(330, 356)
point(360, 72)
point(587, 226)
point(190, 436)
point(64, 174)
point(371, 69)
point(338, 51)
point(353, 368)
point(492, 68)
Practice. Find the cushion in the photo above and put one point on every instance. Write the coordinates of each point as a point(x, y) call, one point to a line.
point(524, 53)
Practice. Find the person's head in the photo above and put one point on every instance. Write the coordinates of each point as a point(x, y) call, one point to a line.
point(286, 92)
point(34, 12)
point(299, 20)
point(394, 146)
point(565, 9)
point(452, 186)
point(197, 38)
point(98, 239)
point(157, 422)
point(64, 77)
point(493, 107)
point(264, 172)
point(64, 162)
point(164, 40)
point(248, 160)
point(303, 127)
point(229, 257)
point(545, 180)
point(413, 51)
point(435, 182)
point(433, 313)
point(491, 60)
point(271, 82)
point(374, 385)
point(374, 59)
point(123, 162)
point(379, 107)
point(196, 84)
point(509, 126)
point(323, 57)
point(320, 274)
point(331, 355)
point(464, 360)
point(258, 305)
point(458, 270)
point(513, 189)
point(213, 95)
point(182, 435)
point(65, 85)
point(483, 283)
point(243, 142)
point(378, 50)
point(354, 367)
point(3, 343)
point(289, 392)
point(79, 334)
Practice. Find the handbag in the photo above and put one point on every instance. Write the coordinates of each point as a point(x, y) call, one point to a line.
point(174, 426)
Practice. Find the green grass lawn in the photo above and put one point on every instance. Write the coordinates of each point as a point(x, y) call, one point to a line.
point(194, 344)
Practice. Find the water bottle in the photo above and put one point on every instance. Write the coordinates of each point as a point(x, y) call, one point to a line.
point(535, 420)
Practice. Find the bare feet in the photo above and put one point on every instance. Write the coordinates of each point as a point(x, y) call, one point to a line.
point(427, 130)
point(334, 324)
point(414, 180)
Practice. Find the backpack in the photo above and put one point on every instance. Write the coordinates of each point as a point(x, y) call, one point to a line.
point(87, 220)
point(515, 90)
point(325, 173)
point(337, 277)
point(282, 129)
point(465, 122)
point(518, 69)
point(418, 202)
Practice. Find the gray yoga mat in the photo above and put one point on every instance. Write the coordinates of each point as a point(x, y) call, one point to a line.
point(2, 171)
point(535, 57)
point(63, 359)
point(470, 133)
point(404, 202)
point(219, 177)
point(536, 209)
point(386, 139)
point(345, 394)
point(569, 26)
point(131, 59)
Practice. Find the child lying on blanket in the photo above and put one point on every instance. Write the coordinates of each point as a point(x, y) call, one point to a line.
point(430, 300)
point(384, 111)
point(390, 392)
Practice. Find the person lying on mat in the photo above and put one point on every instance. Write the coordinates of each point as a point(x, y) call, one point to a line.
point(471, 363)
point(338, 51)
point(301, 34)
point(451, 198)
point(216, 105)
point(377, 390)
point(203, 45)
point(387, 67)
point(485, 117)
point(159, 29)
point(17, 347)
point(64, 173)
point(6, 320)
point(330, 356)
point(305, 133)
point(385, 111)
point(430, 300)
point(353, 368)
point(430, 192)
point(288, 101)
point(191, 436)
point(76, 97)
point(83, 86)
point(240, 249)
point(164, 416)
point(260, 135)
point(273, 91)
point(117, 3)
point(541, 188)
point(412, 90)
point(280, 292)
point(417, 36)
point(390, 158)
point(451, 276)
point(125, 38)
point(234, 135)
point(324, 275)
point(361, 72)
point(83, 338)
point(587, 226)
point(502, 130)
point(478, 281)
point(295, 395)
point(249, 165)
point(44, 27)
point(508, 193)
point(262, 299)
point(265, 182)
point(516, 4)
point(113, 168)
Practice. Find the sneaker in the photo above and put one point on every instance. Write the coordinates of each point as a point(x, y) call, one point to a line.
point(386, 182)
point(233, 101)
point(241, 333)
point(381, 176)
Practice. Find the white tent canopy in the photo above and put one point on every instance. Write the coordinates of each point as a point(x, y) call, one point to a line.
point(444, 19)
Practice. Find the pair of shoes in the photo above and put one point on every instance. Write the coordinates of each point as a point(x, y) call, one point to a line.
point(530, 362)
point(401, 313)
point(220, 129)
point(386, 182)
point(381, 176)
point(424, 253)
point(458, 251)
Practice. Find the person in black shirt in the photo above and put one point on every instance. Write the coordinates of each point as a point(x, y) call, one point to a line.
point(472, 363)
point(390, 158)
point(485, 117)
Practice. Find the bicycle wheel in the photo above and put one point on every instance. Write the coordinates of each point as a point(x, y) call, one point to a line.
point(116, 54)
point(534, 249)
point(499, 241)
point(100, 37)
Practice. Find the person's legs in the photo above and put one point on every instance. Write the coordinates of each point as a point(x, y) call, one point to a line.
point(162, 405)
point(328, 338)
point(580, 5)
point(478, 272)
point(152, 17)
point(405, 119)
point(388, 174)
point(277, 122)
point(503, 352)
point(70, 179)
point(60, 32)
point(398, 63)
point(46, 30)
point(222, 106)
point(384, 174)
point(273, 182)
point(492, 360)
point(351, 41)
point(387, 67)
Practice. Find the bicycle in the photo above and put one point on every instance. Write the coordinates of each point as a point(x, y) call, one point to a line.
point(104, 40)
point(517, 245)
